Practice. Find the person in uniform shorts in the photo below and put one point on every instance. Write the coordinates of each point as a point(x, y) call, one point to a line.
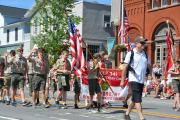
point(63, 77)
point(7, 75)
point(19, 73)
point(39, 78)
point(93, 76)
point(136, 77)
point(2, 65)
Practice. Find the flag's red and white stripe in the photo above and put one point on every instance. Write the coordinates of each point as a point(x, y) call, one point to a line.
point(169, 58)
point(123, 31)
point(78, 60)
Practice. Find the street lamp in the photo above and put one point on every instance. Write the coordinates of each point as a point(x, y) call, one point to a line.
point(116, 24)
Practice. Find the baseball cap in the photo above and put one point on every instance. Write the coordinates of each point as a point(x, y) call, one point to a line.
point(140, 39)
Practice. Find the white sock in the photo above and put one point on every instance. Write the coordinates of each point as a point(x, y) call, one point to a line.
point(7, 98)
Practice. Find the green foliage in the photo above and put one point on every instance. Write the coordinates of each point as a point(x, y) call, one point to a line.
point(52, 17)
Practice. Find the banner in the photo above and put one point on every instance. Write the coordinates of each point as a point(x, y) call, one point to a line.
point(110, 44)
point(113, 77)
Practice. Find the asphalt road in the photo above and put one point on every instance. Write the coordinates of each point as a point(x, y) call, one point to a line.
point(154, 109)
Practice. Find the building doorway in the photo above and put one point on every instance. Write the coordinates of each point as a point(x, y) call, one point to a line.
point(160, 44)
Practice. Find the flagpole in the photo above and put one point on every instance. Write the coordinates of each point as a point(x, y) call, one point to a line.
point(122, 26)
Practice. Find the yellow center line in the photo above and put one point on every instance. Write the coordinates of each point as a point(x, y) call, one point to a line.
point(157, 114)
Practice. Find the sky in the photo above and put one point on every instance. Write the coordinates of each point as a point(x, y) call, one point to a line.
point(29, 3)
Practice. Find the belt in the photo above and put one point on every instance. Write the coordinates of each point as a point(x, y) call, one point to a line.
point(39, 74)
point(19, 74)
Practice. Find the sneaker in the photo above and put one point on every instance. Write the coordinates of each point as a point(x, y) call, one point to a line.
point(177, 110)
point(64, 106)
point(56, 102)
point(8, 102)
point(76, 106)
point(127, 117)
point(89, 107)
point(101, 111)
point(25, 103)
point(13, 103)
point(46, 106)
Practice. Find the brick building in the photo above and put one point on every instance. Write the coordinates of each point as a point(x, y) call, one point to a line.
point(148, 18)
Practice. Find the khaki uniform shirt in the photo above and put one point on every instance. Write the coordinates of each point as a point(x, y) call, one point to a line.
point(30, 67)
point(21, 65)
point(93, 74)
point(39, 66)
point(11, 67)
point(62, 64)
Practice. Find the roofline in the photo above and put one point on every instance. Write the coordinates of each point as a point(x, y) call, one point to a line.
point(82, 1)
point(14, 7)
point(14, 24)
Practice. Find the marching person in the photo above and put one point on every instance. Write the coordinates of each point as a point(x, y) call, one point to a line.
point(19, 73)
point(2, 65)
point(94, 86)
point(7, 75)
point(136, 76)
point(39, 78)
point(77, 90)
point(63, 77)
point(175, 74)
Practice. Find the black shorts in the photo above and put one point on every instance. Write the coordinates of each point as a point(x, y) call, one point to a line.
point(136, 90)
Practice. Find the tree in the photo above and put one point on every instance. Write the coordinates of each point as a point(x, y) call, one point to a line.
point(52, 17)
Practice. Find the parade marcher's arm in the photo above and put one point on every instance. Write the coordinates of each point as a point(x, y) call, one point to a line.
point(125, 68)
point(124, 72)
point(174, 72)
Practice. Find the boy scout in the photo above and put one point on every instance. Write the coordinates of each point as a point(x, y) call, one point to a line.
point(63, 76)
point(19, 73)
point(39, 80)
point(77, 90)
point(7, 76)
point(1, 77)
point(94, 86)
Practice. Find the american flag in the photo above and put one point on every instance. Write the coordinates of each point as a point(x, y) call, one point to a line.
point(169, 58)
point(129, 45)
point(123, 31)
point(78, 61)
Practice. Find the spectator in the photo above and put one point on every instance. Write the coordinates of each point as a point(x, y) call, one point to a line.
point(163, 87)
point(175, 74)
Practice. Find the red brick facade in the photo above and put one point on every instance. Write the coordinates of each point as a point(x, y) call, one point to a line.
point(145, 20)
